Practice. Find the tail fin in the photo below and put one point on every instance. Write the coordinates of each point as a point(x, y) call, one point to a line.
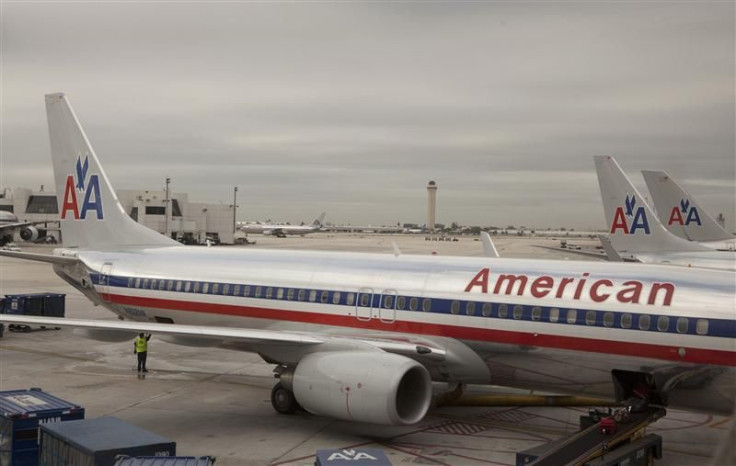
point(679, 211)
point(632, 226)
point(91, 215)
point(318, 221)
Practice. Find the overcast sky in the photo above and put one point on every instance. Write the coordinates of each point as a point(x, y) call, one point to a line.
point(351, 108)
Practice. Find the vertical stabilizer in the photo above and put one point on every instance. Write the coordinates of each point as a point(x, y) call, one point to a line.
point(90, 214)
point(632, 226)
point(318, 221)
point(679, 212)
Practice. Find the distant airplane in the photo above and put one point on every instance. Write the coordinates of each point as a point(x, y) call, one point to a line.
point(282, 231)
point(361, 337)
point(635, 232)
point(9, 226)
point(683, 216)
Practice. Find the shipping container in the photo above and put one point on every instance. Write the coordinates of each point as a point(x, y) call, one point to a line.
point(164, 461)
point(35, 304)
point(352, 457)
point(21, 413)
point(97, 442)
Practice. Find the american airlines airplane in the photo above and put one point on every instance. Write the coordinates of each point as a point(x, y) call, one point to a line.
point(282, 231)
point(637, 235)
point(682, 215)
point(9, 226)
point(361, 337)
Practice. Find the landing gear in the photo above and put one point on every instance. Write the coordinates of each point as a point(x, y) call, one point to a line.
point(283, 400)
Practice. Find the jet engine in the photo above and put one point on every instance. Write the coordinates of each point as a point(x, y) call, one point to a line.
point(29, 233)
point(373, 387)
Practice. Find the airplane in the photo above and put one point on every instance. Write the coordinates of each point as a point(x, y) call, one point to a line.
point(363, 336)
point(683, 216)
point(281, 231)
point(9, 226)
point(636, 233)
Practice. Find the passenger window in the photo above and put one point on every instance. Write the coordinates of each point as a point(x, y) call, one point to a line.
point(455, 307)
point(154, 283)
point(388, 301)
point(554, 315)
point(226, 288)
point(350, 300)
point(536, 313)
point(246, 290)
point(137, 282)
point(196, 287)
point(365, 299)
point(682, 325)
point(518, 312)
point(503, 311)
point(626, 321)
point(178, 285)
point(236, 290)
point(400, 303)
point(269, 292)
point(280, 293)
point(312, 296)
point(413, 304)
point(205, 288)
point(290, 294)
point(608, 319)
point(470, 308)
point(486, 309)
point(215, 288)
point(259, 290)
point(644, 321)
point(162, 285)
point(663, 323)
point(130, 282)
point(187, 286)
point(426, 305)
point(170, 285)
point(701, 327)
point(572, 316)
point(145, 283)
point(301, 295)
point(336, 297)
point(324, 296)
point(590, 318)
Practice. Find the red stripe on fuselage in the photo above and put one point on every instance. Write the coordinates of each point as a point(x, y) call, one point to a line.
point(643, 350)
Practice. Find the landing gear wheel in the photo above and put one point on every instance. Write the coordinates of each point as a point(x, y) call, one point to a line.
point(283, 400)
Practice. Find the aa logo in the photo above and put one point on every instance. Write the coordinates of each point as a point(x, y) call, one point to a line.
point(88, 190)
point(684, 214)
point(631, 220)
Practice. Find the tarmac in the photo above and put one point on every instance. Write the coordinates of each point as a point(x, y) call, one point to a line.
point(217, 402)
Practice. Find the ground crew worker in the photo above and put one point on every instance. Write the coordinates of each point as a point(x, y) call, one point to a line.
point(140, 347)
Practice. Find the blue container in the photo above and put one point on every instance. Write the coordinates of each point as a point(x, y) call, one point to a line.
point(21, 414)
point(97, 442)
point(35, 304)
point(164, 461)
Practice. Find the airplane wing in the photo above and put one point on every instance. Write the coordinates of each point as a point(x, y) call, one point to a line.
point(489, 249)
point(49, 259)
point(13, 226)
point(420, 348)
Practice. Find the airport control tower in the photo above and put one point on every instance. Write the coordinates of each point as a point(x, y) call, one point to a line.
point(431, 204)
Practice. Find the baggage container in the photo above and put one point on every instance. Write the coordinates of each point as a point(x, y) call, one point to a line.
point(35, 304)
point(21, 413)
point(352, 457)
point(164, 461)
point(97, 442)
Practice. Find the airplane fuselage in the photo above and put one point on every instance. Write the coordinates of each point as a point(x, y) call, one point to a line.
point(553, 326)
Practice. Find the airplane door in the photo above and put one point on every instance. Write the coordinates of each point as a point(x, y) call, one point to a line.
point(105, 273)
point(364, 304)
point(387, 313)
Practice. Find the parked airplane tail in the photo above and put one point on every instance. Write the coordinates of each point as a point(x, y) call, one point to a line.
point(90, 213)
point(318, 221)
point(679, 211)
point(632, 226)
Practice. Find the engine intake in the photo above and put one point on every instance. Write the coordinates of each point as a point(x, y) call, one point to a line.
point(373, 387)
point(29, 234)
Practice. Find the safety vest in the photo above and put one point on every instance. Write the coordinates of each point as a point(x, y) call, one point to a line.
point(141, 345)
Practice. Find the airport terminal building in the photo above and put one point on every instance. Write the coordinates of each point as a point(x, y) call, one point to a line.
point(188, 222)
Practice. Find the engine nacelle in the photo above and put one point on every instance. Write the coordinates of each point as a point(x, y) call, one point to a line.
point(29, 234)
point(379, 388)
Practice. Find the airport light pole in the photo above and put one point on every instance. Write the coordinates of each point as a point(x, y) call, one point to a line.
point(235, 209)
point(167, 210)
